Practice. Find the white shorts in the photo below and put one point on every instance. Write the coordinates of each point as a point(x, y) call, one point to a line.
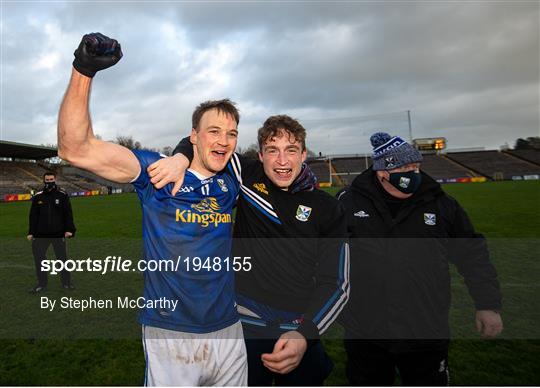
point(176, 358)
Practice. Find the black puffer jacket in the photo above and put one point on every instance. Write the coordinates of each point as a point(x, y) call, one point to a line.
point(400, 282)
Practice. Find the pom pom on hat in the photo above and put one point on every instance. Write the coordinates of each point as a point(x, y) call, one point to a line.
point(379, 138)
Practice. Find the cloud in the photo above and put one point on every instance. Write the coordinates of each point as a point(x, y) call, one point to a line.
point(466, 71)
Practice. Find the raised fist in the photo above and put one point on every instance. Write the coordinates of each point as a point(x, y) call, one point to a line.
point(96, 52)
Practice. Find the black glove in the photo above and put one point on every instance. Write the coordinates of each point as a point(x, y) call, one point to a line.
point(96, 52)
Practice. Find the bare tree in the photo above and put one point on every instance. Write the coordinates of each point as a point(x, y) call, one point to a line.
point(310, 153)
point(251, 152)
point(529, 143)
point(126, 141)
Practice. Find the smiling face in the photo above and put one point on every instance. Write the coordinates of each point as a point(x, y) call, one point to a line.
point(282, 157)
point(215, 140)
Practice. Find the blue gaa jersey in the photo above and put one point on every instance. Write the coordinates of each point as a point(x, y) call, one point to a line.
point(187, 244)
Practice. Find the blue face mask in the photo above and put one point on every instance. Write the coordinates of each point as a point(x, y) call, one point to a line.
point(406, 182)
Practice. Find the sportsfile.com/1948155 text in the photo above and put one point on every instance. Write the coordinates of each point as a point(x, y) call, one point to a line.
point(118, 264)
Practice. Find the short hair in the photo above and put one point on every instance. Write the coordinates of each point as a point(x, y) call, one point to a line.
point(48, 173)
point(225, 106)
point(274, 124)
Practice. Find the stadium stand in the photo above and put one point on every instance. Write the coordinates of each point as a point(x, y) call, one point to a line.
point(23, 166)
point(90, 181)
point(320, 169)
point(532, 156)
point(23, 177)
point(494, 164)
point(348, 168)
point(15, 178)
point(440, 167)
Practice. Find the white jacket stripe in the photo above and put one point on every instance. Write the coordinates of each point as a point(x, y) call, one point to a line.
point(260, 201)
point(330, 317)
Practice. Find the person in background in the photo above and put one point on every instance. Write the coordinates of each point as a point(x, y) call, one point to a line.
point(50, 223)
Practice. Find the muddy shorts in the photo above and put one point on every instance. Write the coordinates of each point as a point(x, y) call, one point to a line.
point(175, 358)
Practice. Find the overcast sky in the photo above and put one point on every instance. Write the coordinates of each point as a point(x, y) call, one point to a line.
point(468, 71)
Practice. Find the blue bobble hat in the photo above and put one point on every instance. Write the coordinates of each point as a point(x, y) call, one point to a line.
point(392, 152)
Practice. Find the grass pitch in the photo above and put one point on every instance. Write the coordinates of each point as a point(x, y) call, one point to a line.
point(104, 348)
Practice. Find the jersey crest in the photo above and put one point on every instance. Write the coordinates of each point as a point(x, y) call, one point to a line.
point(430, 219)
point(303, 213)
point(222, 185)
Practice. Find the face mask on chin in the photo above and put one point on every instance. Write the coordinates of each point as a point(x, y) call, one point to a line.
point(49, 186)
point(406, 182)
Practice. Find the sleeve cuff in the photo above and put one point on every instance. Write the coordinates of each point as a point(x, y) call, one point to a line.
point(136, 177)
point(309, 331)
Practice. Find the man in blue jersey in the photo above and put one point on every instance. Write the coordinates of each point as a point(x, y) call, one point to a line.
point(296, 238)
point(198, 341)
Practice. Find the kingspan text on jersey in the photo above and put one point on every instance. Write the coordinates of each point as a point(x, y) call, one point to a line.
point(203, 219)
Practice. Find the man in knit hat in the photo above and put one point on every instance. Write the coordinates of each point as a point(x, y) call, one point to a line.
point(405, 230)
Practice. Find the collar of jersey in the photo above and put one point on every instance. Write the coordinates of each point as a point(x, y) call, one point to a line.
point(198, 175)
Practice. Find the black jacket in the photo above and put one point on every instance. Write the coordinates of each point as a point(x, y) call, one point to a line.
point(400, 282)
point(300, 258)
point(50, 214)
